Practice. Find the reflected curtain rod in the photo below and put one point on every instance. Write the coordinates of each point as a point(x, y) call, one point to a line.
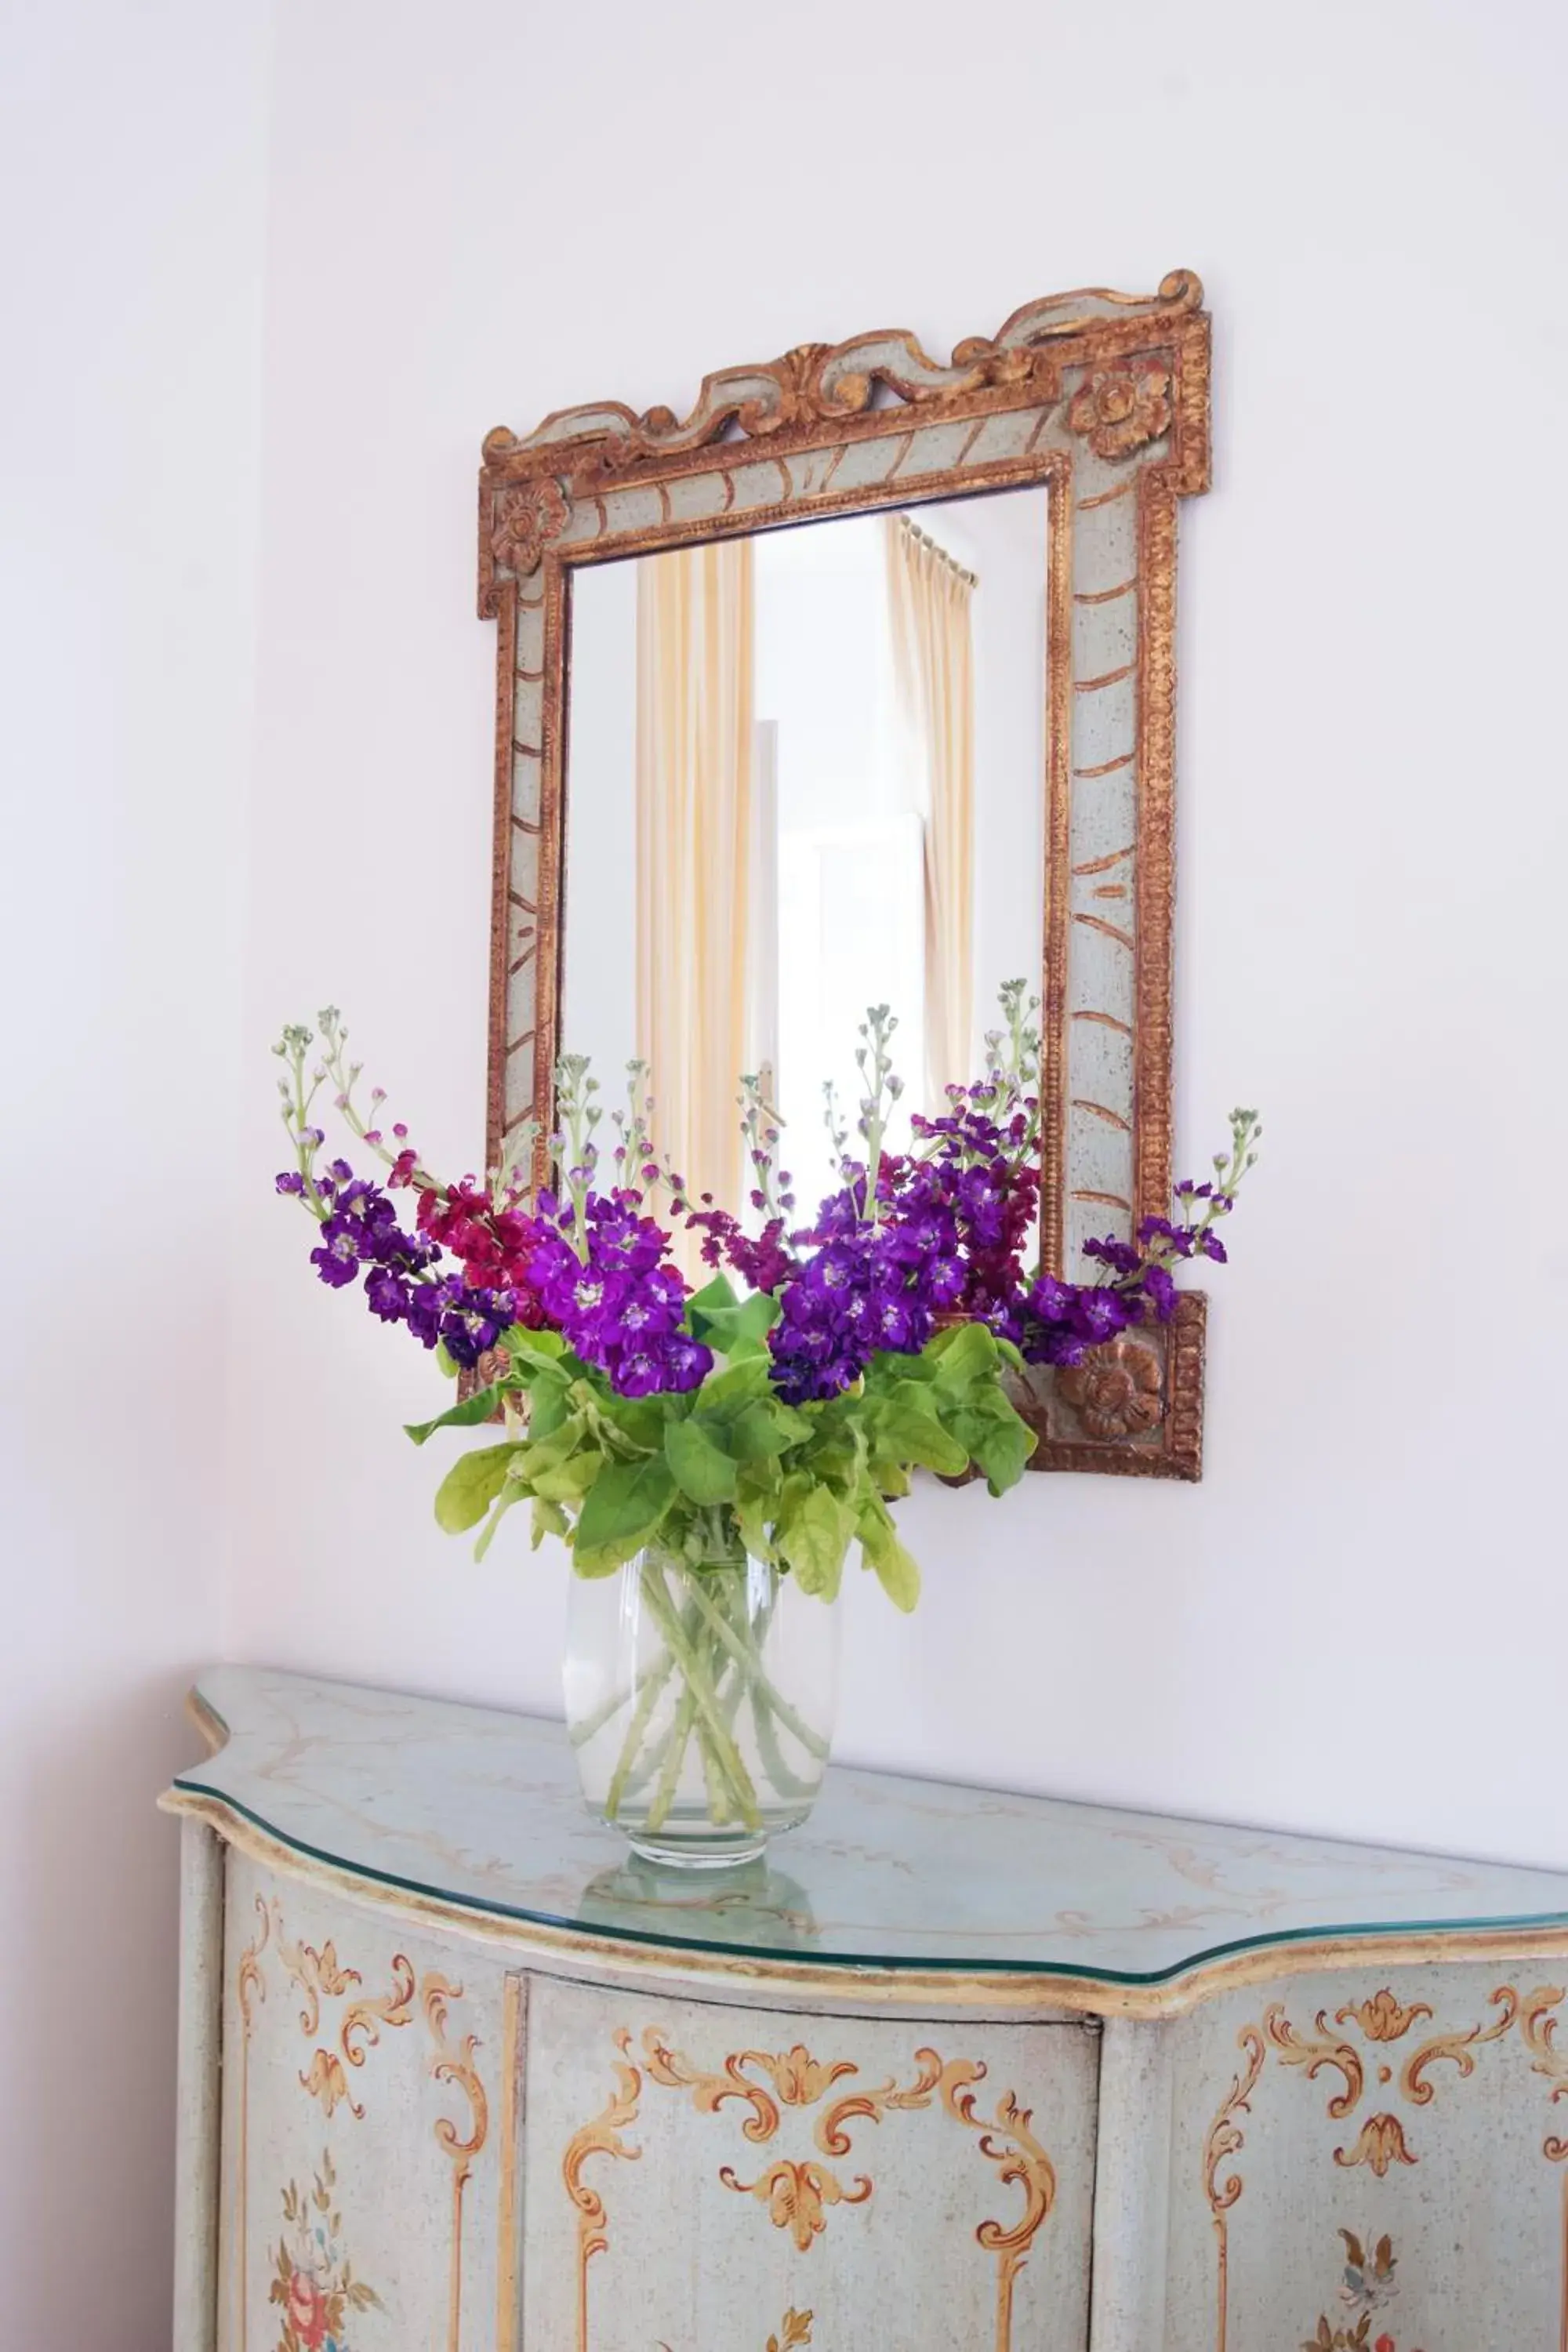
point(936, 547)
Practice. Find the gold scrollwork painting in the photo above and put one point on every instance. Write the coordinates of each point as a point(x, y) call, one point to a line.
point(797, 2194)
point(1102, 399)
point(1381, 2141)
point(319, 1977)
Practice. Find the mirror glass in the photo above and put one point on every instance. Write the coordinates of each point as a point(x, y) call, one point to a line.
point(805, 772)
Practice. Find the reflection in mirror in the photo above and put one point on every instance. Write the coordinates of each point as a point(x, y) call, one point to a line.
point(806, 774)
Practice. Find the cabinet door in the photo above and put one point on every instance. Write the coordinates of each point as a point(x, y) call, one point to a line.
point(370, 2149)
point(702, 2179)
point(1372, 2162)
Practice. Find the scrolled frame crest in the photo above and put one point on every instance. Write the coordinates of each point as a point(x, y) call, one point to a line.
point(1103, 398)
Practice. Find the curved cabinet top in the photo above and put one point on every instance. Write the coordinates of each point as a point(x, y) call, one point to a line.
point(912, 1889)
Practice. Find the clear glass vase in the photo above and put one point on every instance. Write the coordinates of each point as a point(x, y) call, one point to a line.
point(701, 1697)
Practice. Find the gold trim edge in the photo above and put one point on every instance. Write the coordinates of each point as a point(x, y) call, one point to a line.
point(1028, 1991)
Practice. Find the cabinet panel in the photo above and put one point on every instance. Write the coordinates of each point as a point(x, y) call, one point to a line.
point(370, 2130)
point(1372, 2160)
point(703, 2179)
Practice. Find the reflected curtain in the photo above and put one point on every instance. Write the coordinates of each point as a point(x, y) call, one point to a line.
point(929, 599)
point(694, 854)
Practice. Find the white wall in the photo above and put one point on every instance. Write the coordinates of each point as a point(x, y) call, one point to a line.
point(1357, 1622)
point(131, 152)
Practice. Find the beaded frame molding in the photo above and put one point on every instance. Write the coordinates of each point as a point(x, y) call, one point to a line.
point(1103, 398)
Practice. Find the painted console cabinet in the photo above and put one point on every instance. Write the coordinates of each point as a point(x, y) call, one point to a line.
point(954, 2069)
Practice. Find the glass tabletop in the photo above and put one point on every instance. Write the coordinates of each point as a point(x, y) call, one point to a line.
point(480, 1807)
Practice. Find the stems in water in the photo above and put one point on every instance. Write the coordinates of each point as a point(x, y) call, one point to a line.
point(700, 1698)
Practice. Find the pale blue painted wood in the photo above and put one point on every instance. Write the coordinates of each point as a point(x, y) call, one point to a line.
point(481, 1808)
point(1351, 2158)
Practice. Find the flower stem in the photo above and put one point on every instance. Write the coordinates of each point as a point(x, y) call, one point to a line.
point(785, 1781)
point(653, 1683)
point(750, 1659)
point(699, 1687)
point(669, 1780)
point(713, 1780)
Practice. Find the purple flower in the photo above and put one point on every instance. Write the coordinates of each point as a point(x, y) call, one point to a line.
point(387, 1294)
point(1052, 1300)
point(338, 1259)
point(423, 1310)
point(473, 1322)
point(1101, 1314)
point(637, 1374)
point(290, 1180)
point(1160, 1291)
point(1119, 1256)
point(673, 1363)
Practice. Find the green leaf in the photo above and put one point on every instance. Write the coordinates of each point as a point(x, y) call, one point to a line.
point(963, 1356)
point(542, 1453)
point(510, 1493)
point(743, 1413)
point(838, 1456)
point(548, 1406)
point(718, 1291)
point(760, 1482)
point(734, 1331)
point(754, 1516)
point(639, 1420)
point(568, 1481)
point(766, 1427)
point(896, 1572)
point(906, 1425)
point(702, 1469)
point(714, 1298)
point(621, 1512)
point(444, 1363)
point(549, 1519)
point(476, 1408)
point(738, 1384)
point(813, 1537)
point(999, 1441)
point(523, 1345)
point(471, 1485)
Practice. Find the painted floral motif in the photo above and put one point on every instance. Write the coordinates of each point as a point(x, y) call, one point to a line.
point(1383, 2018)
point(1118, 410)
point(1382, 2144)
point(1367, 2285)
point(800, 2079)
point(313, 2283)
point(795, 2333)
point(798, 2196)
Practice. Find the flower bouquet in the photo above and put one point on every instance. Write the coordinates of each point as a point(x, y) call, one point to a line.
point(711, 1456)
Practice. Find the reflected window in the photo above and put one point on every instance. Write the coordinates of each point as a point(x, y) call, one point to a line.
point(806, 774)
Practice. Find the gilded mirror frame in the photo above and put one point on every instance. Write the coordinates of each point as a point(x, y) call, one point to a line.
point(1104, 399)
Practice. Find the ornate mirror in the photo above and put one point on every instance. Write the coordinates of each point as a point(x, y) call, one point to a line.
point(858, 684)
